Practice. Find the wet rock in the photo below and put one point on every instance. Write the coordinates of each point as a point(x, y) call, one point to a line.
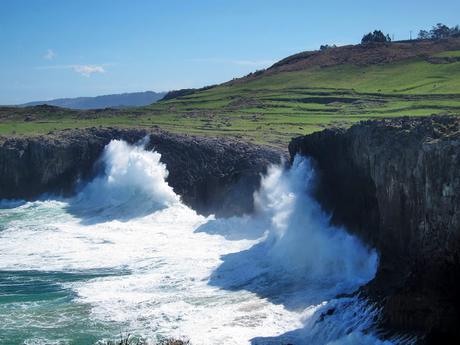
point(396, 184)
point(213, 175)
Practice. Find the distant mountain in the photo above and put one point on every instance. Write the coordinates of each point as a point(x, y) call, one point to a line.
point(107, 101)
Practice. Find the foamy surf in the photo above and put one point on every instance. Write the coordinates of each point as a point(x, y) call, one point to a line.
point(125, 255)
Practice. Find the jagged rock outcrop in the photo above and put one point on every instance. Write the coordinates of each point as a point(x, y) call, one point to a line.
point(396, 183)
point(211, 175)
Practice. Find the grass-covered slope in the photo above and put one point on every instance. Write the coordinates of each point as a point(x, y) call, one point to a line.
point(301, 94)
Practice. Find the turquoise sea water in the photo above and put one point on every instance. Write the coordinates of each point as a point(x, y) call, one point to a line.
point(126, 256)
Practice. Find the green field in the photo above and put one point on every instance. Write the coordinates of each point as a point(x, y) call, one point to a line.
point(272, 108)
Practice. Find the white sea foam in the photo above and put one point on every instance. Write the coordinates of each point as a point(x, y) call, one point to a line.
point(176, 273)
point(133, 184)
point(303, 241)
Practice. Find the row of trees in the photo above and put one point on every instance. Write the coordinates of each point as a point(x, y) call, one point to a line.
point(439, 31)
point(327, 46)
point(376, 36)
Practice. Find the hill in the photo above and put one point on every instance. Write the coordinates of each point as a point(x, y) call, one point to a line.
point(133, 99)
point(300, 94)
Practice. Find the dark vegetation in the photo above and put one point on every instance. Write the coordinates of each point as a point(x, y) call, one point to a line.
point(327, 46)
point(439, 31)
point(375, 37)
point(184, 92)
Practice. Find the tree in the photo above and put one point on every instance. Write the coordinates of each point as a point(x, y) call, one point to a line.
point(424, 35)
point(440, 31)
point(376, 36)
point(455, 31)
point(327, 46)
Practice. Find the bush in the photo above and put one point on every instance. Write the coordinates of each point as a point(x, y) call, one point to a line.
point(376, 36)
point(327, 46)
point(439, 31)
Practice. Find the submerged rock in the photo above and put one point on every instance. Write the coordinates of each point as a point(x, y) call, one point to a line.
point(213, 175)
point(396, 183)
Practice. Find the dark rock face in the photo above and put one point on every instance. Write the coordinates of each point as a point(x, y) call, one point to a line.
point(396, 183)
point(211, 175)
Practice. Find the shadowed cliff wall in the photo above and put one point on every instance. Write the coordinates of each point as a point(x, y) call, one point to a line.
point(396, 183)
point(211, 175)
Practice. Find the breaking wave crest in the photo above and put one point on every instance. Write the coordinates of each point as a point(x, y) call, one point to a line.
point(301, 238)
point(126, 254)
point(133, 184)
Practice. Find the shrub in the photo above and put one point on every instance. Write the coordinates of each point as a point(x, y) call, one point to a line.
point(327, 46)
point(376, 36)
point(439, 31)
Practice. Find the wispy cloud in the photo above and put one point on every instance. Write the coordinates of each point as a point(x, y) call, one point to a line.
point(88, 70)
point(84, 70)
point(262, 63)
point(49, 55)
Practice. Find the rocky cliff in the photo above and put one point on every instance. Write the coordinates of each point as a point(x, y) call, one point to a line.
point(211, 175)
point(396, 183)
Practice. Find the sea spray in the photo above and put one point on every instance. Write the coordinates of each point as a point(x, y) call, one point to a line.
point(126, 255)
point(300, 249)
point(302, 239)
point(133, 184)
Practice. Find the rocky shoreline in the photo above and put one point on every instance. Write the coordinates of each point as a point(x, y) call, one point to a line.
point(212, 175)
point(396, 183)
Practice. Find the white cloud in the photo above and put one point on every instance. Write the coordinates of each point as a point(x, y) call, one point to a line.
point(87, 70)
point(50, 54)
point(84, 70)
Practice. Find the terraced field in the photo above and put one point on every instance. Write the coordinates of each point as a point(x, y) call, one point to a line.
point(273, 106)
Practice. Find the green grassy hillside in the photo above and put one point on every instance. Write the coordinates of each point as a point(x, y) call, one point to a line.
point(273, 106)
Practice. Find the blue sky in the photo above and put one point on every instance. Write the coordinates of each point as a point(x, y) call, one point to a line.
point(69, 48)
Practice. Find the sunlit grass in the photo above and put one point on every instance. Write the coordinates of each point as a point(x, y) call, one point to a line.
point(273, 108)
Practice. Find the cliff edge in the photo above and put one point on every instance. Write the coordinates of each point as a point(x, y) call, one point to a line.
point(396, 183)
point(212, 175)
